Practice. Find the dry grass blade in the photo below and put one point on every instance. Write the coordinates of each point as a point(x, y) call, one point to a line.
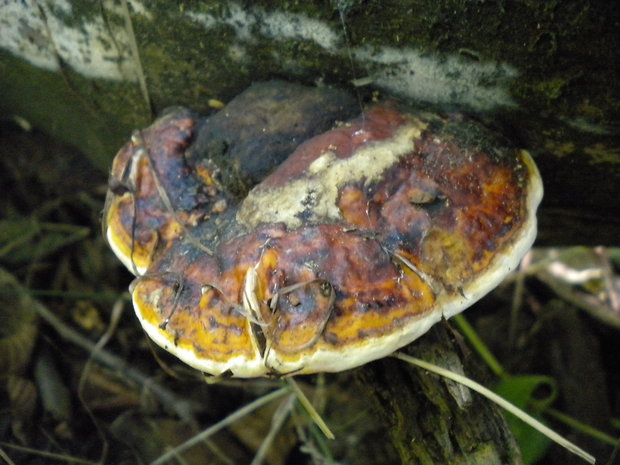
point(6, 458)
point(501, 402)
point(230, 419)
point(117, 310)
point(133, 44)
point(50, 455)
point(307, 405)
point(279, 418)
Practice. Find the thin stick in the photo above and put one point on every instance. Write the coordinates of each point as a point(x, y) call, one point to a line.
point(501, 402)
point(229, 420)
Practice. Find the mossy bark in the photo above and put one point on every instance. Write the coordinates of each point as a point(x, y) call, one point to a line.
point(545, 73)
point(432, 420)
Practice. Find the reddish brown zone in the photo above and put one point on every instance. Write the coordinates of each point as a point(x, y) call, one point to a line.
point(372, 293)
point(486, 202)
point(444, 208)
point(378, 123)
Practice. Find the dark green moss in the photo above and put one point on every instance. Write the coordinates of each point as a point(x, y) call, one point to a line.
point(562, 50)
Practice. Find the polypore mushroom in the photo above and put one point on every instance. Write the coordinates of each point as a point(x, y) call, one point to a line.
point(354, 245)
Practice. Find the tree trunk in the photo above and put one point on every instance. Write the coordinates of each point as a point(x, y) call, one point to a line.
point(546, 73)
point(432, 420)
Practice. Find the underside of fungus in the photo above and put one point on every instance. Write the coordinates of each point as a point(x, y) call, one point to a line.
point(336, 254)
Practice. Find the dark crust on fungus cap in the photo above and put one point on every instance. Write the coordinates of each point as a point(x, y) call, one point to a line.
point(183, 175)
point(262, 126)
point(150, 165)
point(358, 243)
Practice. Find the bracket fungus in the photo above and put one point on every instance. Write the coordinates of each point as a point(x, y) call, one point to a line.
point(347, 249)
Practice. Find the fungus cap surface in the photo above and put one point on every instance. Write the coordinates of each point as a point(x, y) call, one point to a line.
point(360, 241)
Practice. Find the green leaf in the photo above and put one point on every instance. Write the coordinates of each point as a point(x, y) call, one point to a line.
point(524, 392)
